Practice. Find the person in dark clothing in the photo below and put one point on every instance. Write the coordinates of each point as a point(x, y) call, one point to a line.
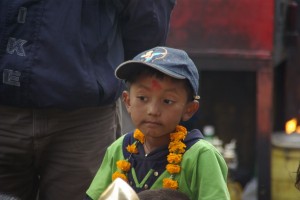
point(58, 92)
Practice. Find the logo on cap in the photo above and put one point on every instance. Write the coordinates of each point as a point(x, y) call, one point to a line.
point(152, 55)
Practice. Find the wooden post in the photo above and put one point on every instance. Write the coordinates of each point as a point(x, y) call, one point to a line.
point(264, 130)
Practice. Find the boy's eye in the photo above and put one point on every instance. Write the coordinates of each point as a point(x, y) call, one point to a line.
point(168, 101)
point(142, 98)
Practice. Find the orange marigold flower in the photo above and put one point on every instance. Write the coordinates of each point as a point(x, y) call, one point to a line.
point(174, 158)
point(119, 175)
point(169, 183)
point(181, 129)
point(177, 136)
point(139, 136)
point(173, 169)
point(177, 147)
point(132, 148)
point(123, 165)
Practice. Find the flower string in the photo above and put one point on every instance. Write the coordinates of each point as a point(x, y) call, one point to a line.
point(123, 165)
point(176, 150)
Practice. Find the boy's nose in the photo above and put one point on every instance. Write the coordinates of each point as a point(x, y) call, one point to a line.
point(154, 109)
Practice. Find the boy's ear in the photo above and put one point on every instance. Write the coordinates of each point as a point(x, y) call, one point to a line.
point(191, 109)
point(126, 100)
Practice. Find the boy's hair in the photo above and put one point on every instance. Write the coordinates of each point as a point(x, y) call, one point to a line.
point(168, 61)
point(152, 72)
point(162, 194)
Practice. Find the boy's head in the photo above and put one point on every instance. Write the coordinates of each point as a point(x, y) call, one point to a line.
point(162, 61)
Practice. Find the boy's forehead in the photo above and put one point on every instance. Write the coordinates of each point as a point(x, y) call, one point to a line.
point(155, 82)
point(155, 85)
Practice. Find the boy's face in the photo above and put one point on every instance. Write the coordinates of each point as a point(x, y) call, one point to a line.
point(157, 105)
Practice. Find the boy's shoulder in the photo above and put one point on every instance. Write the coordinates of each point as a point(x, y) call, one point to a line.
point(121, 143)
point(196, 141)
point(203, 146)
point(118, 142)
point(192, 138)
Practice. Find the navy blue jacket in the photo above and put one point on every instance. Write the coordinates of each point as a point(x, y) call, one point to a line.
point(62, 53)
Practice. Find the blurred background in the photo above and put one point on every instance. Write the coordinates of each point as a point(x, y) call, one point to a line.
point(247, 52)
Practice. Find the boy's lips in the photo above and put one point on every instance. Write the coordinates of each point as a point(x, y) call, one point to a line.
point(152, 123)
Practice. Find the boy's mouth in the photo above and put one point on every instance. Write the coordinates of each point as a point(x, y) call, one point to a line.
point(152, 123)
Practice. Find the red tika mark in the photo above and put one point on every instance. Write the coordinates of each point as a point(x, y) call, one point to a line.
point(155, 85)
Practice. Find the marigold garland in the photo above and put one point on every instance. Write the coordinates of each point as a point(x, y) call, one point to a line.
point(176, 150)
point(132, 148)
point(124, 165)
point(139, 136)
point(174, 158)
point(119, 175)
point(170, 183)
point(177, 147)
point(173, 168)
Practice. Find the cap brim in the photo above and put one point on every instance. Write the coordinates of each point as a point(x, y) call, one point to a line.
point(124, 70)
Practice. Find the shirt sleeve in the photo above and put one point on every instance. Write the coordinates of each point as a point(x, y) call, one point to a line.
point(144, 23)
point(101, 180)
point(103, 177)
point(213, 173)
point(208, 173)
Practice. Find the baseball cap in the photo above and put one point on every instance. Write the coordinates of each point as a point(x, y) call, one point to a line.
point(170, 61)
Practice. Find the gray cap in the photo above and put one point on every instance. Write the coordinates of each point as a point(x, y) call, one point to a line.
point(172, 62)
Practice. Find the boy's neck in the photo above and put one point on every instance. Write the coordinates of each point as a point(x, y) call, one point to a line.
point(151, 144)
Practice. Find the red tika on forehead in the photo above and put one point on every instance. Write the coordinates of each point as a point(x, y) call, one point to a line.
point(155, 85)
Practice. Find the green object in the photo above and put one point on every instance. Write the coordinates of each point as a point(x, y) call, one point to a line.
point(203, 175)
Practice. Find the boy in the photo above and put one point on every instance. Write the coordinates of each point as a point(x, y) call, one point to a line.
point(59, 98)
point(162, 92)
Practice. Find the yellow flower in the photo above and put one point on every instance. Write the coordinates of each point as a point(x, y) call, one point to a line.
point(173, 168)
point(177, 147)
point(169, 183)
point(174, 158)
point(119, 175)
point(123, 165)
point(139, 136)
point(176, 151)
point(181, 129)
point(132, 148)
point(177, 136)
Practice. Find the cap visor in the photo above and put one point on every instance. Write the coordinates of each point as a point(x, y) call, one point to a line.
point(124, 70)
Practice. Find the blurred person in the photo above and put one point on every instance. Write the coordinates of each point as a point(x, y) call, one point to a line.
point(58, 91)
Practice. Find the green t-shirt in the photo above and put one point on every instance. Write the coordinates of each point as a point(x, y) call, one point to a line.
point(203, 174)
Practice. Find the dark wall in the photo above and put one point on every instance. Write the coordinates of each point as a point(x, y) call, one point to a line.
point(228, 103)
point(291, 71)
